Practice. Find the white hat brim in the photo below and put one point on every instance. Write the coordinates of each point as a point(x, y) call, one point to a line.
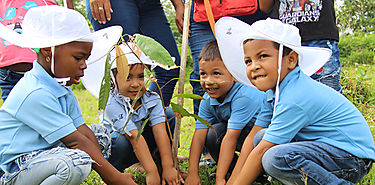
point(231, 33)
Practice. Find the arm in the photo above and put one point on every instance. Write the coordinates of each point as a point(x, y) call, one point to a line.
point(70, 4)
point(86, 131)
point(266, 5)
point(228, 146)
point(253, 165)
point(197, 143)
point(143, 154)
point(162, 141)
point(248, 146)
point(109, 174)
point(101, 10)
point(179, 7)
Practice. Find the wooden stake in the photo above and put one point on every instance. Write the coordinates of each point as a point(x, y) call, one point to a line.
point(180, 100)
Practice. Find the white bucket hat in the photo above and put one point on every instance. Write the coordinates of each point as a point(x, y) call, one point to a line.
point(231, 33)
point(95, 71)
point(50, 26)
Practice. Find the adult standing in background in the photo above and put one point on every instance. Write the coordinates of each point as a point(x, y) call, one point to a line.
point(316, 21)
point(201, 34)
point(145, 17)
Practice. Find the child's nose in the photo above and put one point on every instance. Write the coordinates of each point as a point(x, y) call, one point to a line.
point(83, 65)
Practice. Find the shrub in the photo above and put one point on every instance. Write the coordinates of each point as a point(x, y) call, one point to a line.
point(357, 48)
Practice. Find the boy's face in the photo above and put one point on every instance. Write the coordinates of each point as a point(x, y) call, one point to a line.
point(220, 81)
point(70, 60)
point(135, 81)
point(261, 59)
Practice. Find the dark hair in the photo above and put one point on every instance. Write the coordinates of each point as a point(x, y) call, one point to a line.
point(210, 51)
point(276, 45)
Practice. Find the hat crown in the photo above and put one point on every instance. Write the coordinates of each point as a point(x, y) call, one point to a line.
point(56, 23)
point(278, 31)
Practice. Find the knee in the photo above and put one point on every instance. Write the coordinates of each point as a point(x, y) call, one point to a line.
point(273, 160)
point(74, 167)
point(259, 136)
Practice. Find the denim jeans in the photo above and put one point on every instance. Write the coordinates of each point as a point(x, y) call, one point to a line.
point(200, 35)
point(145, 17)
point(8, 79)
point(317, 162)
point(122, 155)
point(330, 75)
point(59, 165)
point(213, 141)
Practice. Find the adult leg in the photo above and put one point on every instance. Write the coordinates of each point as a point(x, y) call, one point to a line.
point(330, 75)
point(314, 162)
point(50, 167)
point(154, 23)
point(8, 79)
point(200, 35)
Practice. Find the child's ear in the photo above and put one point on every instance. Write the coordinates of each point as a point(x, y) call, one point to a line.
point(46, 52)
point(292, 60)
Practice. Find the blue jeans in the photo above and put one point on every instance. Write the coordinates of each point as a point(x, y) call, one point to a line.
point(146, 17)
point(213, 141)
point(122, 155)
point(330, 75)
point(8, 79)
point(318, 162)
point(200, 35)
point(59, 165)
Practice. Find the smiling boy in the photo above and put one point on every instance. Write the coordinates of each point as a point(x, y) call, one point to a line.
point(305, 130)
point(230, 107)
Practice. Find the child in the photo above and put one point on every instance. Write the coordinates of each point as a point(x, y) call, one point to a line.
point(148, 107)
point(41, 113)
point(314, 134)
point(230, 107)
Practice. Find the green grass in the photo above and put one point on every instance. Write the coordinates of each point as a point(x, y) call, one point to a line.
point(89, 110)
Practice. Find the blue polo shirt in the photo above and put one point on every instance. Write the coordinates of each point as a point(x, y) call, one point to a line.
point(118, 107)
point(241, 104)
point(310, 111)
point(37, 113)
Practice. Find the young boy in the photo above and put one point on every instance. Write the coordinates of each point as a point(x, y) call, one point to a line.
point(230, 107)
point(43, 137)
point(314, 134)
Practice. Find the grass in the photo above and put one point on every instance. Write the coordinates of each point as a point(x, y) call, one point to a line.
point(89, 110)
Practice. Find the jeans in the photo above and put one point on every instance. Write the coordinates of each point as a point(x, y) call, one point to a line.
point(59, 165)
point(330, 75)
point(200, 35)
point(317, 162)
point(213, 141)
point(146, 17)
point(8, 79)
point(121, 145)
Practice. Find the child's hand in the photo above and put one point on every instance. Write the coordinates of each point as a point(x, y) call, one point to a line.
point(125, 178)
point(152, 178)
point(193, 179)
point(170, 176)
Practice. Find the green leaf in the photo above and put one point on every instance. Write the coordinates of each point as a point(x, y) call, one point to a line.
point(204, 122)
point(142, 127)
point(180, 109)
point(105, 86)
point(190, 96)
point(154, 50)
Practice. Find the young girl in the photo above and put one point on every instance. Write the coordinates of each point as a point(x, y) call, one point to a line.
point(43, 137)
point(126, 150)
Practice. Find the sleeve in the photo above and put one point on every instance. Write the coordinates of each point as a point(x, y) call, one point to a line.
point(42, 112)
point(265, 114)
point(243, 110)
point(205, 113)
point(289, 119)
point(115, 116)
point(157, 112)
point(75, 112)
